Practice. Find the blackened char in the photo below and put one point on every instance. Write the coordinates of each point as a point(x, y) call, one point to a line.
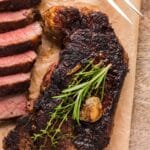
point(20, 40)
point(9, 5)
point(18, 19)
point(92, 37)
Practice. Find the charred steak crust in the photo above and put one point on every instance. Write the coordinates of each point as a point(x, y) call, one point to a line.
point(12, 5)
point(30, 16)
point(88, 36)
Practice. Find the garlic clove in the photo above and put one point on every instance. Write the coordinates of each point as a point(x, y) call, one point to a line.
point(92, 110)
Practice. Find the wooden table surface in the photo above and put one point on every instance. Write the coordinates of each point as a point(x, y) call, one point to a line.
point(140, 129)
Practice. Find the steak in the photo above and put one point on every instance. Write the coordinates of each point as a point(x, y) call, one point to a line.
point(19, 19)
point(20, 63)
point(9, 5)
point(12, 106)
point(86, 35)
point(14, 83)
point(20, 40)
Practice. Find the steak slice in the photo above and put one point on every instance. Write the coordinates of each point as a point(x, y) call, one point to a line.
point(14, 83)
point(14, 20)
point(12, 106)
point(20, 40)
point(8, 5)
point(20, 63)
point(89, 36)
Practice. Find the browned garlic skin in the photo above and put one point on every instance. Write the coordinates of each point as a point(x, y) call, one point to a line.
point(92, 110)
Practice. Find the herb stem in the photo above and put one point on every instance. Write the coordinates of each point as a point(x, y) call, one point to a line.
point(90, 80)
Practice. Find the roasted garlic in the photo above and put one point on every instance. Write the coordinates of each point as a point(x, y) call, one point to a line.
point(91, 110)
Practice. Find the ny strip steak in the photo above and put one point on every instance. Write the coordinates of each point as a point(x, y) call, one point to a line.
point(12, 5)
point(20, 40)
point(85, 35)
point(20, 63)
point(12, 106)
point(18, 19)
point(14, 83)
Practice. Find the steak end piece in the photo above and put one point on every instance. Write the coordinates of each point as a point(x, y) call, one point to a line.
point(14, 83)
point(20, 63)
point(18, 19)
point(20, 40)
point(12, 106)
point(12, 5)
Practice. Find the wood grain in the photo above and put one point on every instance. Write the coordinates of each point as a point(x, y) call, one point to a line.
point(128, 35)
point(140, 131)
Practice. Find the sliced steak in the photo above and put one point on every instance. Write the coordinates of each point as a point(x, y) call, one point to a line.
point(20, 40)
point(7, 5)
point(12, 106)
point(14, 83)
point(20, 63)
point(13, 20)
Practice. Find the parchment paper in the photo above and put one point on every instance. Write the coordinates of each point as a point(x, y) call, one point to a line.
point(128, 35)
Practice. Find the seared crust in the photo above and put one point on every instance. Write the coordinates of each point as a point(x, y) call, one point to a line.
point(89, 36)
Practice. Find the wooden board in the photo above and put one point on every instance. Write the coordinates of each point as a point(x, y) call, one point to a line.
point(128, 35)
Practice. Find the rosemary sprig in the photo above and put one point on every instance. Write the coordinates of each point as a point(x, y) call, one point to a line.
point(90, 80)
